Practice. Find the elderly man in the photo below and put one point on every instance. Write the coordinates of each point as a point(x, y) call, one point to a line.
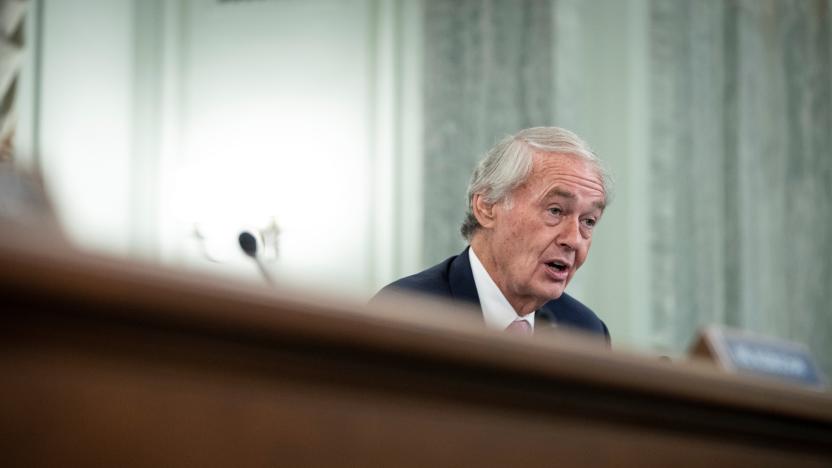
point(533, 204)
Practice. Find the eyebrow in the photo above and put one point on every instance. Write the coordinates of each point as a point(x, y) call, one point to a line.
point(559, 192)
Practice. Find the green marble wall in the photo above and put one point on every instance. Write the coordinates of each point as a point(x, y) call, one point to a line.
point(741, 161)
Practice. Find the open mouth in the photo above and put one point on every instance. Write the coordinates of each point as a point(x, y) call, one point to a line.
point(558, 266)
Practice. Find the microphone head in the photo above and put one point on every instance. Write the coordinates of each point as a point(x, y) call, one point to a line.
point(248, 242)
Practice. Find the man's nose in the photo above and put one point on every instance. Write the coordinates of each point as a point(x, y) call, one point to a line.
point(570, 233)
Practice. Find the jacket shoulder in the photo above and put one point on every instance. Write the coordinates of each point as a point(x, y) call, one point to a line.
point(571, 312)
point(433, 281)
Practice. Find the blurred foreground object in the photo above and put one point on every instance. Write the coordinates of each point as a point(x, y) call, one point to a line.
point(742, 351)
point(115, 363)
point(24, 206)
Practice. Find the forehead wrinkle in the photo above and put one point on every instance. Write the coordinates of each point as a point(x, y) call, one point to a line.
point(592, 179)
point(583, 181)
point(586, 181)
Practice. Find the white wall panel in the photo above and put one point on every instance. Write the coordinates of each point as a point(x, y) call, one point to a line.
point(85, 127)
point(276, 121)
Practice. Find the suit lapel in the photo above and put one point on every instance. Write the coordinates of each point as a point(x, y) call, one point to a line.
point(461, 279)
point(546, 316)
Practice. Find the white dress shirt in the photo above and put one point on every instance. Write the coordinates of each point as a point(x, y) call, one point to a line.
point(496, 310)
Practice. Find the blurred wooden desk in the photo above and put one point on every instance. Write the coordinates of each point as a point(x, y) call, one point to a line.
point(110, 363)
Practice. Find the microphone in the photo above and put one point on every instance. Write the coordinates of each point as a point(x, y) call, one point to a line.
point(248, 242)
point(251, 245)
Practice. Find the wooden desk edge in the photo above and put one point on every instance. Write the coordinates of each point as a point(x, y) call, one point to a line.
point(417, 327)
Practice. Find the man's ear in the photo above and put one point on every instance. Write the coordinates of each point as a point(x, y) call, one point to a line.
point(484, 211)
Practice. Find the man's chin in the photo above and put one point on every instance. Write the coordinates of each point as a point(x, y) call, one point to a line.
point(551, 293)
point(557, 295)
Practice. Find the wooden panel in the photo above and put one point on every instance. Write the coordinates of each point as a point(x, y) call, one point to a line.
point(114, 364)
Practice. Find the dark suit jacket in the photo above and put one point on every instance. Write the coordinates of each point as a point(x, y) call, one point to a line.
point(453, 279)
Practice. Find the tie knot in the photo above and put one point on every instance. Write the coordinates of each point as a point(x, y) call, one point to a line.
point(519, 327)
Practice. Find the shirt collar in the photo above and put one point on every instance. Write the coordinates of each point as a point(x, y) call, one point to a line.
point(496, 310)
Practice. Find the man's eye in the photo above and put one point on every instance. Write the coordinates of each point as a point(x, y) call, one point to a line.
point(590, 222)
point(555, 211)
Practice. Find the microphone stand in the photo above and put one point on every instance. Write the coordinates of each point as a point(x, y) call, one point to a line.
point(248, 242)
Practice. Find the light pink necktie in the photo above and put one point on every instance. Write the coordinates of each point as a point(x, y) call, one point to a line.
point(519, 327)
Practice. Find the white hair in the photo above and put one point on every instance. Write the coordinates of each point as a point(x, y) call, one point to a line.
point(509, 163)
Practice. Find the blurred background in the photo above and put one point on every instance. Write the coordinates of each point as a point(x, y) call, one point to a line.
point(347, 130)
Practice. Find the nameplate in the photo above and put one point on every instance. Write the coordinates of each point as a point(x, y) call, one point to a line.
point(744, 352)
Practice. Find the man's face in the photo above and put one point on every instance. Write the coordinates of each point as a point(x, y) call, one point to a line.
point(542, 235)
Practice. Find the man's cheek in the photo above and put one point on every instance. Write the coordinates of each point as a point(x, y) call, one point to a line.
point(580, 259)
